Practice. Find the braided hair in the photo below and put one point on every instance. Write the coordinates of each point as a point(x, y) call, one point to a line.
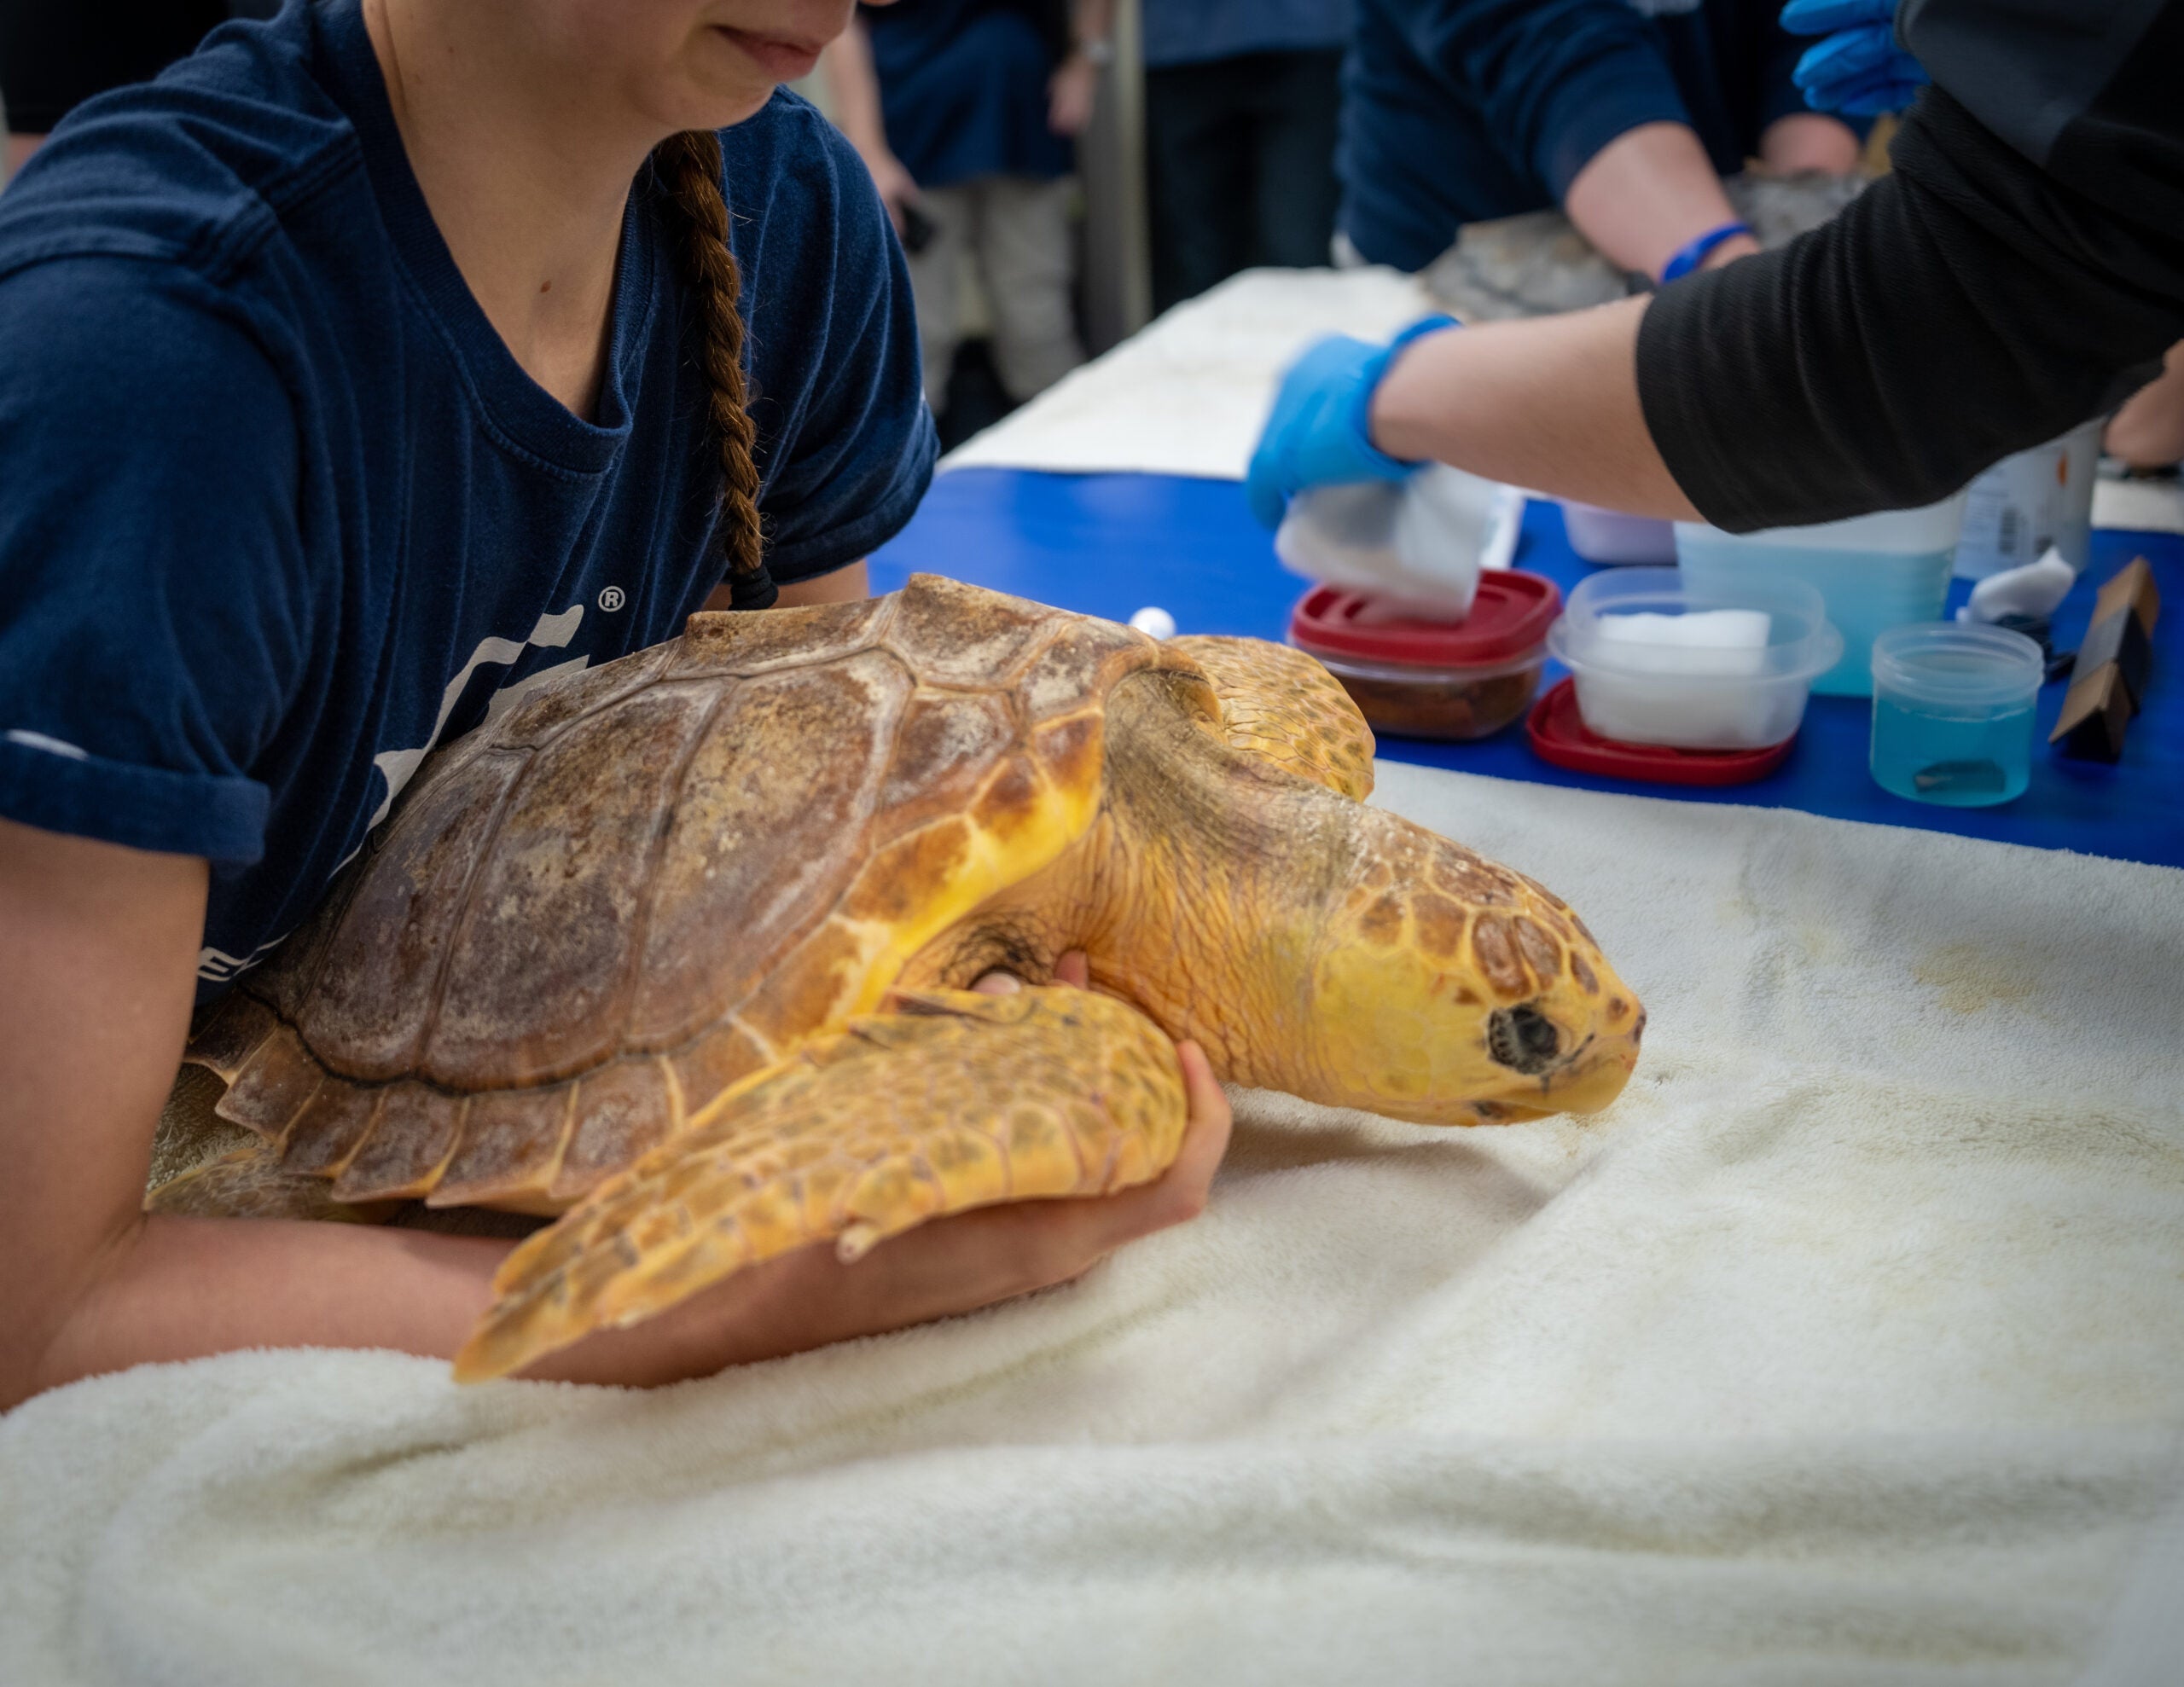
point(688, 164)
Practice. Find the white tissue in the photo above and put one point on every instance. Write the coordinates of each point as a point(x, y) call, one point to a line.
point(2034, 589)
point(1420, 542)
point(1709, 642)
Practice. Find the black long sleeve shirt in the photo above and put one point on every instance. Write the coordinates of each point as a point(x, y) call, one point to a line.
point(2021, 271)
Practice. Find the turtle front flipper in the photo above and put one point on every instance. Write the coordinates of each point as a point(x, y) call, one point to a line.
point(1282, 706)
point(957, 1100)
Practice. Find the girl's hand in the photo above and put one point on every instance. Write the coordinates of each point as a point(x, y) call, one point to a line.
point(1070, 91)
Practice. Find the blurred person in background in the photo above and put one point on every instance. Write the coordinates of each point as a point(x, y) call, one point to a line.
point(965, 112)
point(1242, 99)
point(56, 53)
point(1627, 114)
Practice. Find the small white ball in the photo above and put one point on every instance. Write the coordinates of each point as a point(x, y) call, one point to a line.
point(1154, 622)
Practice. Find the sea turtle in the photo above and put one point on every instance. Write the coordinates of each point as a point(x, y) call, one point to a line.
point(677, 949)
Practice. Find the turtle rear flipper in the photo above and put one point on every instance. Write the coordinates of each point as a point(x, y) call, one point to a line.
point(1280, 705)
point(956, 1100)
point(252, 1183)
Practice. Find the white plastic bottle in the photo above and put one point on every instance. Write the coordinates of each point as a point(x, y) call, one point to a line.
point(2029, 502)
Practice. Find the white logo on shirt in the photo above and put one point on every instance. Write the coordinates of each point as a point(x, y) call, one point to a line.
point(52, 746)
point(398, 767)
point(218, 967)
point(612, 599)
point(553, 632)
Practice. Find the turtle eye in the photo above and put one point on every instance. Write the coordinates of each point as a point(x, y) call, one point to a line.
point(1523, 1039)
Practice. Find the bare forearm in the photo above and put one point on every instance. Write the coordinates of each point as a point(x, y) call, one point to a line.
point(173, 1288)
point(179, 1288)
point(1649, 192)
point(176, 1288)
point(1551, 404)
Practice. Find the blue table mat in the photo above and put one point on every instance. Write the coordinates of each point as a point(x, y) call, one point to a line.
point(1109, 544)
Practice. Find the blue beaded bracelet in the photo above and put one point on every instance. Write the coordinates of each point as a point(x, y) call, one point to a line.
point(1689, 256)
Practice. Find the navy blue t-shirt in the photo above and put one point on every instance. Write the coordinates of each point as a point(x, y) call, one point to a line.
point(963, 88)
point(283, 511)
point(1462, 110)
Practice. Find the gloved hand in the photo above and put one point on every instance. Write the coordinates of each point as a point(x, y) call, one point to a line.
point(1320, 434)
point(1859, 69)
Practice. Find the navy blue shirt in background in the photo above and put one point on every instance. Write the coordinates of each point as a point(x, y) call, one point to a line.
point(1197, 31)
point(1462, 110)
point(283, 511)
point(963, 88)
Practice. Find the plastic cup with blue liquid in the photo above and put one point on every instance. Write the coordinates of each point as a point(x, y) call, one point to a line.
point(1953, 709)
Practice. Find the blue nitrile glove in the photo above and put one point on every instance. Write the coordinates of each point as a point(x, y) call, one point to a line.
point(1858, 70)
point(1320, 434)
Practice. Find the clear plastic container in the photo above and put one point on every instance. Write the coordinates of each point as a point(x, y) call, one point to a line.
point(1419, 545)
point(1605, 535)
point(1693, 695)
point(1872, 571)
point(1952, 707)
point(1433, 679)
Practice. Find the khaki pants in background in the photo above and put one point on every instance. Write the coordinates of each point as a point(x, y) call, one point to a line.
point(1016, 229)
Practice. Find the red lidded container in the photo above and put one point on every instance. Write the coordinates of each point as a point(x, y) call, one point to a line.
point(1558, 734)
point(1434, 679)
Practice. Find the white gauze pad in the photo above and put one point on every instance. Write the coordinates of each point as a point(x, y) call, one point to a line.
point(1711, 642)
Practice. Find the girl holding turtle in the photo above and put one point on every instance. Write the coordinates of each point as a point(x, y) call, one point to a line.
point(375, 365)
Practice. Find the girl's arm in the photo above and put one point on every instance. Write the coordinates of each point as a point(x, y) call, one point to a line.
point(103, 942)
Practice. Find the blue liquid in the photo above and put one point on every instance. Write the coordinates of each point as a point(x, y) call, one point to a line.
point(1960, 762)
point(1867, 593)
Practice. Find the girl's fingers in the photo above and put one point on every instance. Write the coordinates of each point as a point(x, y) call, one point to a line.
point(1073, 969)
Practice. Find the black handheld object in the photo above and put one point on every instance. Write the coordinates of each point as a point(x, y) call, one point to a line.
point(918, 228)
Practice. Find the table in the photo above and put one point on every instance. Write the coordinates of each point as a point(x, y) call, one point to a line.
point(1109, 544)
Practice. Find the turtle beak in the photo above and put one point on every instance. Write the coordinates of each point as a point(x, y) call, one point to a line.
point(1597, 1071)
point(1591, 1087)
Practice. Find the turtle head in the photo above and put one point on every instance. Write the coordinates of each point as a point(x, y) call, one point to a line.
point(1243, 897)
point(1449, 990)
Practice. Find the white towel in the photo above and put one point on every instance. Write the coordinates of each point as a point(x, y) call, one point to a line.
point(1849, 1348)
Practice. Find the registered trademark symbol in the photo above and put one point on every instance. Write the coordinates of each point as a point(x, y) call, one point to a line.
point(612, 599)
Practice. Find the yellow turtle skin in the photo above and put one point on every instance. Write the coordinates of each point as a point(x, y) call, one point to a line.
point(678, 950)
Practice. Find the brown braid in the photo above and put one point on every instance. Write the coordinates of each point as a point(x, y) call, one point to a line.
point(689, 165)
